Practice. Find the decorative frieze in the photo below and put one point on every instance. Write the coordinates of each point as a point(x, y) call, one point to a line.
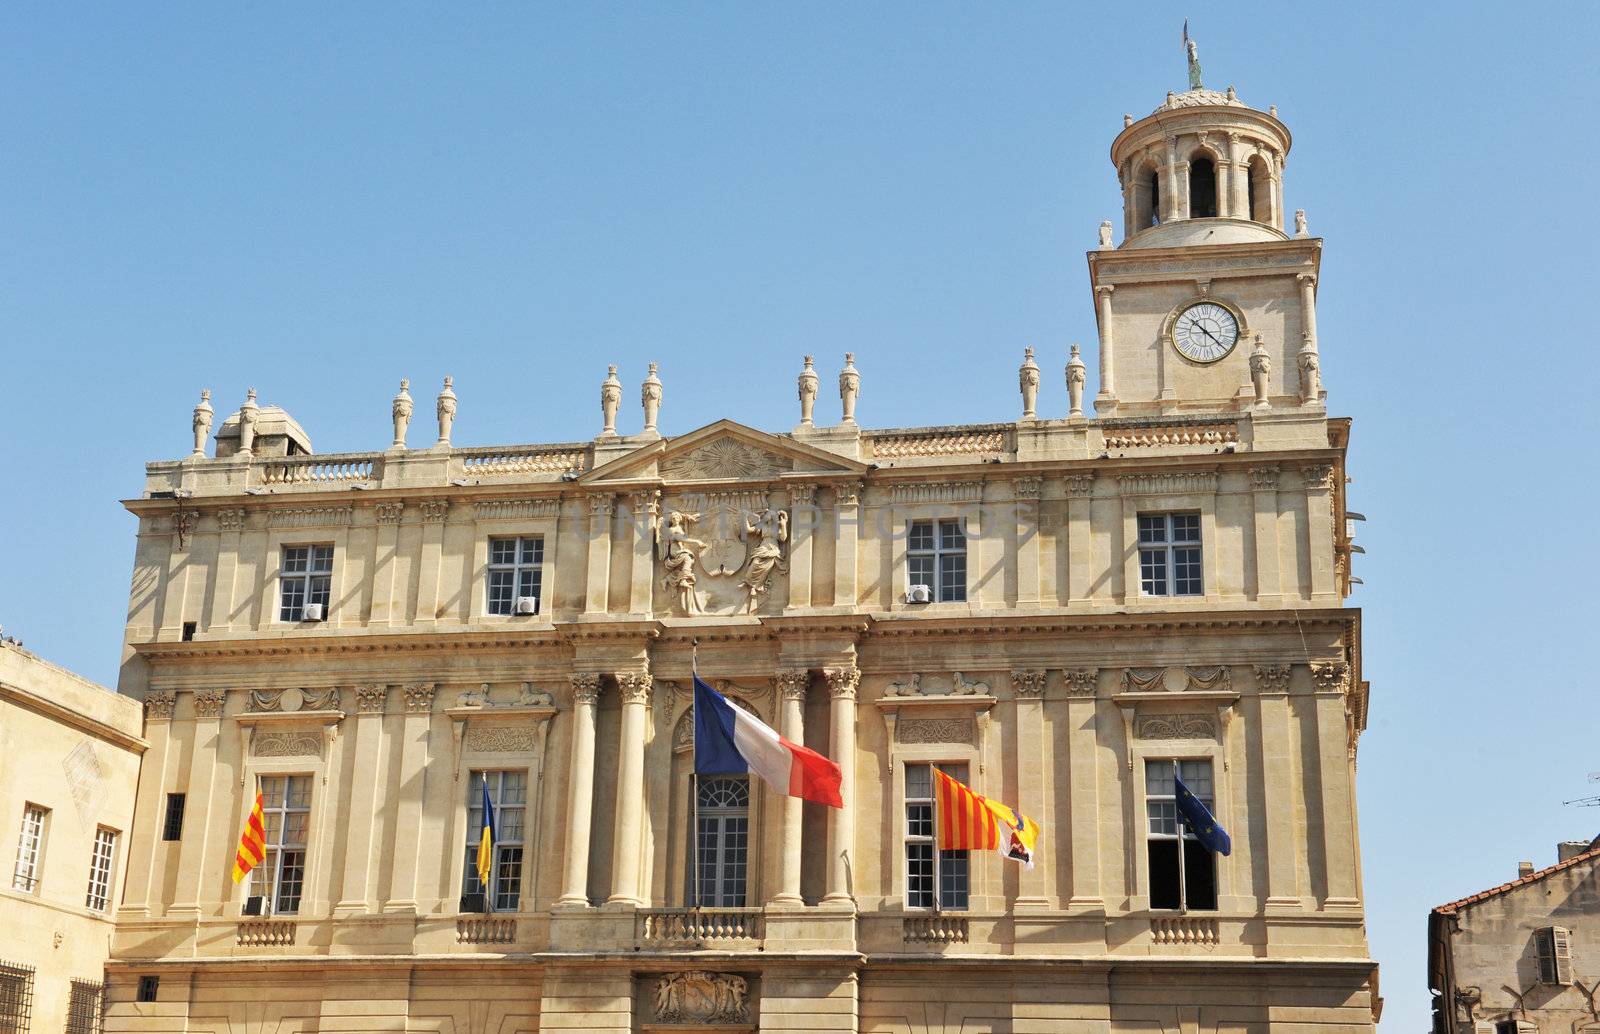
point(1175, 727)
point(1273, 678)
point(1198, 482)
point(159, 705)
point(494, 738)
point(294, 699)
point(419, 696)
point(1028, 682)
point(960, 442)
point(585, 687)
point(1081, 681)
point(208, 703)
point(516, 509)
point(842, 682)
point(310, 517)
point(938, 492)
point(934, 730)
point(1144, 680)
point(1215, 677)
point(286, 743)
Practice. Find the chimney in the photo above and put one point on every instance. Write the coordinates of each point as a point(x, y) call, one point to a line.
point(1524, 869)
point(1569, 848)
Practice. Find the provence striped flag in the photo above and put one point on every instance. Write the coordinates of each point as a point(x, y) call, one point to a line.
point(969, 821)
point(252, 844)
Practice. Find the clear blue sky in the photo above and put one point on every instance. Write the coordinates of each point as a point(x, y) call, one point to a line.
point(320, 201)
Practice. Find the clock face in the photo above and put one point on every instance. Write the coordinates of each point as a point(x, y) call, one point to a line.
point(1205, 332)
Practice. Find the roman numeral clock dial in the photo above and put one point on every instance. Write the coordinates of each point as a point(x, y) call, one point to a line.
point(1205, 332)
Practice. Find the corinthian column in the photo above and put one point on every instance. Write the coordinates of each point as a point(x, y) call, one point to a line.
point(625, 861)
point(842, 686)
point(792, 683)
point(580, 790)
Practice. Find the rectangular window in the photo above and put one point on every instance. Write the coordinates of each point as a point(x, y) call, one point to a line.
point(1169, 554)
point(84, 1007)
point(934, 879)
point(515, 569)
point(306, 576)
point(148, 986)
point(1183, 875)
point(936, 556)
point(172, 829)
point(508, 792)
point(722, 841)
point(16, 998)
point(281, 876)
point(30, 849)
point(100, 863)
point(1555, 954)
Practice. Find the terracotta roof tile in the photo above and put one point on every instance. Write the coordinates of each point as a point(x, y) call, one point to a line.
point(1592, 854)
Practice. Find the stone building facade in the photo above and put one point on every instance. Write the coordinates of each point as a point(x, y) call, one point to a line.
point(69, 762)
point(1522, 957)
point(1057, 609)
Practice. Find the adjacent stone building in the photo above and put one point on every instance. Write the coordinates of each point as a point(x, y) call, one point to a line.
point(1061, 609)
point(69, 761)
point(1524, 956)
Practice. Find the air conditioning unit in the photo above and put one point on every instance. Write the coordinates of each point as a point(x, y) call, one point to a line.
point(314, 612)
point(919, 594)
point(525, 605)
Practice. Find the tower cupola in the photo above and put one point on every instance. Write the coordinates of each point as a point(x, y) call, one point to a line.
point(1203, 168)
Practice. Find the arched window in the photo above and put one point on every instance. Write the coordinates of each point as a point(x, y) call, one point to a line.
point(1258, 183)
point(1202, 188)
point(722, 841)
point(1146, 199)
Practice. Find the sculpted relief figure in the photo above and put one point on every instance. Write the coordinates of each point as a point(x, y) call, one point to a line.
point(202, 422)
point(701, 997)
point(765, 531)
point(678, 551)
point(401, 412)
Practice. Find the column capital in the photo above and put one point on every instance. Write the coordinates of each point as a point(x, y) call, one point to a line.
point(160, 704)
point(645, 501)
point(1104, 289)
point(1027, 487)
point(1306, 279)
point(585, 687)
point(793, 683)
point(1331, 678)
point(803, 495)
point(1273, 678)
point(1028, 682)
point(208, 703)
point(842, 682)
point(635, 686)
point(1081, 682)
point(371, 698)
point(1264, 479)
point(1317, 475)
point(847, 493)
point(603, 504)
point(1080, 484)
point(419, 696)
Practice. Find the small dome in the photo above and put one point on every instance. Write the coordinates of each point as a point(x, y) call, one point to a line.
point(1201, 98)
point(277, 434)
point(1181, 233)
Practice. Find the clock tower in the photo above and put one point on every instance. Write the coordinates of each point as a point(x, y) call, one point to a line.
point(1209, 303)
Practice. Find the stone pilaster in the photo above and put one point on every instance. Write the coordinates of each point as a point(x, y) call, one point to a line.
point(602, 508)
point(802, 529)
point(1083, 776)
point(208, 798)
point(1028, 685)
point(362, 809)
point(580, 791)
point(847, 517)
point(414, 734)
point(643, 509)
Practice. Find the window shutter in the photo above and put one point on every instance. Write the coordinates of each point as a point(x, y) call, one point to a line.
point(1561, 948)
point(1482, 1027)
point(1525, 1027)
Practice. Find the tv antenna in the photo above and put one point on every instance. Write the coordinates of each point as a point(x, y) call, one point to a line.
point(1587, 802)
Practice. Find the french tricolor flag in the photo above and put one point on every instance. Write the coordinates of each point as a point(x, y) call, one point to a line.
point(729, 740)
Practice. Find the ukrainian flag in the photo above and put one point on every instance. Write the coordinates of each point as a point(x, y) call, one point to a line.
point(486, 849)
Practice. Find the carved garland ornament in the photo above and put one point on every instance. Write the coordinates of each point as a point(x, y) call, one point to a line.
point(286, 744)
point(1175, 727)
point(698, 996)
point(503, 739)
point(1144, 680)
point(1213, 677)
point(933, 730)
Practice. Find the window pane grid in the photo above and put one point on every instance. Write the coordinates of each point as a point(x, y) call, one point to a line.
point(928, 869)
point(1182, 872)
point(508, 791)
point(1169, 554)
point(105, 847)
point(29, 843)
point(722, 842)
point(305, 576)
point(286, 818)
point(515, 569)
point(936, 556)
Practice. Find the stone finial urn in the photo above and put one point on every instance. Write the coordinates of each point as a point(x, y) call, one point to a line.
point(808, 393)
point(202, 423)
point(849, 388)
point(1260, 373)
point(401, 412)
point(1076, 376)
point(1028, 382)
point(650, 397)
point(247, 422)
point(446, 410)
point(610, 399)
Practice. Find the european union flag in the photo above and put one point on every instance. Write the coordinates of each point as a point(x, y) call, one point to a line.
point(1200, 821)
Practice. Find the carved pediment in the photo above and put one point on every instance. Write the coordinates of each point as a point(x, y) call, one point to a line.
point(723, 451)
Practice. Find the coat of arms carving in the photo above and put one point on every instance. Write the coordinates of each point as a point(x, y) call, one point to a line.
point(698, 996)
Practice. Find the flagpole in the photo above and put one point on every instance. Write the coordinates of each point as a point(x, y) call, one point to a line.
point(488, 821)
point(694, 776)
point(938, 898)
